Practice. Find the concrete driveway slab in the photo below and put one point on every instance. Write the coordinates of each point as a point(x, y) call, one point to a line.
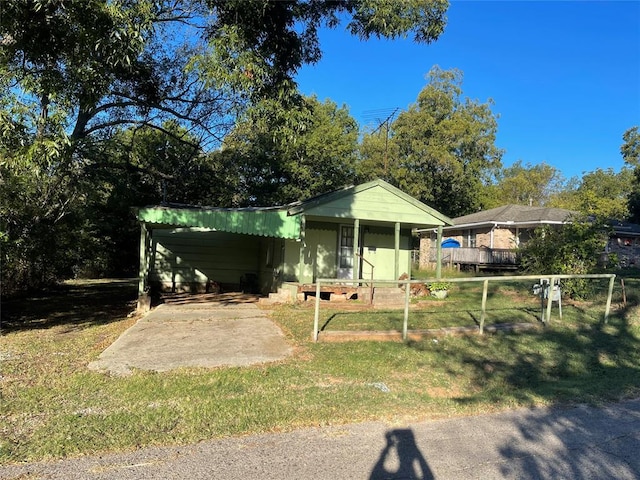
point(206, 334)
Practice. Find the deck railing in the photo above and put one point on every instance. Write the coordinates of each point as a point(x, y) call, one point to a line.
point(477, 256)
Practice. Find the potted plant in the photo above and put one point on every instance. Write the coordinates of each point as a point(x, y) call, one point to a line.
point(439, 289)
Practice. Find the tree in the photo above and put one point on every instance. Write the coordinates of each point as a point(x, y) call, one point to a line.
point(258, 45)
point(601, 193)
point(276, 165)
point(442, 150)
point(630, 151)
point(524, 185)
point(574, 248)
point(74, 73)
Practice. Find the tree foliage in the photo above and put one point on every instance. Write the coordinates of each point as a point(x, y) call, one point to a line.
point(601, 193)
point(524, 185)
point(80, 79)
point(442, 149)
point(574, 248)
point(276, 165)
point(258, 45)
point(630, 151)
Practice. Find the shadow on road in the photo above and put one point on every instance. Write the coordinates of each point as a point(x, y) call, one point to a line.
point(576, 443)
point(401, 458)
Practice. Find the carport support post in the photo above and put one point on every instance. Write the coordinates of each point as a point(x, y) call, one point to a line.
point(439, 253)
point(144, 299)
point(316, 315)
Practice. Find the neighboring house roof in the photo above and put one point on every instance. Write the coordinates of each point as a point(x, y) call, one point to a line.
point(372, 201)
point(516, 215)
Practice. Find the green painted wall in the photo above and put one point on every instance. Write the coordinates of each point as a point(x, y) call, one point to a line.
point(271, 264)
point(188, 260)
point(321, 240)
point(378, 247)
point(320, 259)
point(291, 261)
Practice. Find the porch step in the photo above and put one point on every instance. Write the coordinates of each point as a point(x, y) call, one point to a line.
point(281, 296)
point(387, 296)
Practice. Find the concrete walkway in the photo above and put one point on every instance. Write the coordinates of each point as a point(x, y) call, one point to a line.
point(216, 331)
point(544, 443)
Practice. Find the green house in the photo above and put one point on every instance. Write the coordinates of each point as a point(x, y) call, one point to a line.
point(357, 232)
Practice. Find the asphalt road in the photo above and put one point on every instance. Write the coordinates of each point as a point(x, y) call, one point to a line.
point(543, 443)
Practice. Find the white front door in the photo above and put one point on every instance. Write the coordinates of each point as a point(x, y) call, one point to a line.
point(345, 252)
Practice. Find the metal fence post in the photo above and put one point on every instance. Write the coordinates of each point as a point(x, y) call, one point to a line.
point(485, 289)
point(316, 316)
point(608, 307)
point(407, 291)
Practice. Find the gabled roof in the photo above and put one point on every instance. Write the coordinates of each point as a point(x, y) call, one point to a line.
point(414, 211)
point(372, 201)
point(518, 215)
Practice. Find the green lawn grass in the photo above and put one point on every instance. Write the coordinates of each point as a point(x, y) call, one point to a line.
point(51, 406)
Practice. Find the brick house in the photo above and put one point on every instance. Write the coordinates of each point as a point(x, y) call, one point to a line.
point(489, 238)
point(624, 242)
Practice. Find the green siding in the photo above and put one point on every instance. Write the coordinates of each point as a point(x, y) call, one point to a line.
point(379, 249)
point(291, 261)
point(271, 264)
point(320, 259)
point(373, 201)
point(184, 258)
point(320, 254)
point(374, 204)
point(261, 222)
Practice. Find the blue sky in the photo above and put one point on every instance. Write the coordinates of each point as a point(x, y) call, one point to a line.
point(564, 76)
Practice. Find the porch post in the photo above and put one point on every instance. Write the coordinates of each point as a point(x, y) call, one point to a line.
point(356, 250)
point(303, 246)
point(144, 298)
point(397, 252)
point(439, 252)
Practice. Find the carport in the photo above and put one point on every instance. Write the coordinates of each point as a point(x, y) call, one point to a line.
point(199, 249)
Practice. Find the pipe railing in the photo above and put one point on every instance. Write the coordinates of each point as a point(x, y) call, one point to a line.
point(372, 267)
point(551, 281)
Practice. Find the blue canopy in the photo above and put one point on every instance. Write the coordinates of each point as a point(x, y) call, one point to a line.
point(451, 243)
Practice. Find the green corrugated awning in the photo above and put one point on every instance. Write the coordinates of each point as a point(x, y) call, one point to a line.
point(263, 222)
